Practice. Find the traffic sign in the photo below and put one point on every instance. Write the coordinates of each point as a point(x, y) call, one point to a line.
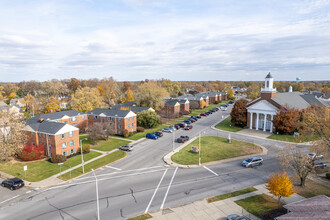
point(177, 151)
point(25, 168)
point(60, 164)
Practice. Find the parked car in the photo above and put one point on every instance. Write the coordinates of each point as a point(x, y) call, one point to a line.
point(182, 139)
point(321, 165)
point(12, 184)
point(159, 134)
point(192, 120)
point(224, 109)
point(182, 125)
point(313, 156)
point(242, 218)
point(126, 147)
point(189, 127)
point(232, 217)
point(172, 127)
point(252, 162)
point(177, 126)
point(230, 102)
point(168, 130)
point(198, 116)
point(188, 122)
point(152, 136)
point(203, 114)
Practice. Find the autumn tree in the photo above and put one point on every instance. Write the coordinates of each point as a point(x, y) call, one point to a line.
point(12, 137)
point(286, 121)
point(74, 84)
point(150, 95)
point(12, 95)
point(297, 160)
point(280, 185)
point(298, 86)
point(2, 93)
point(86, 99)
point(55, 88)
point(230, 94)
point(202, 104)
point(239, 113)
point(253, 91)
point(96, 131)
point(147, 119)
point(129, 95)
point(109, 90)
point(53, 105)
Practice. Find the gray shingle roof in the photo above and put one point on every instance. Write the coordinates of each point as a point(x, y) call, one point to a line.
point(296, 100)
point(109, 112)
point(55, 115)
point(310, 99)
point(138, 108)
point(269, 76)
point(48, 127)
point(171, 102)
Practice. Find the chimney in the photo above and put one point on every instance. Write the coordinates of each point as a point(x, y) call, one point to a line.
point(290, 88)
point(40, 120)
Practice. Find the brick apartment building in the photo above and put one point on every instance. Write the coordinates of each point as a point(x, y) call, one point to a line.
point(119, 120)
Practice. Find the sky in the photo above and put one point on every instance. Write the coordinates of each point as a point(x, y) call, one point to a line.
point(193, 40)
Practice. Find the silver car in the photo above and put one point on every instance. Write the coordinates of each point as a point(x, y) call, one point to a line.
point(252, 162)
point(126, 147)
point(169, 130)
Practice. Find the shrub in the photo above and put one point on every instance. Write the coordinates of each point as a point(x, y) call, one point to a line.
point(216, 102)
point(130, 134)
point(58, 159)
point(86, 148)
point(125, 133)
point(148, 119)
point(140, 129)
point(32, 152)
point(327, 176)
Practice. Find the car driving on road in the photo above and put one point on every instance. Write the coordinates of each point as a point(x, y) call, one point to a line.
point(252, 162)
point(182, 139)
point(12, 184)
point(126, 147)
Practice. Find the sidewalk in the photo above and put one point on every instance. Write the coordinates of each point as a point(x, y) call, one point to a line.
point(201, 210)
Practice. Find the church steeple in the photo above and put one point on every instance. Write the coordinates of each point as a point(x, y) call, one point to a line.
point(268, 91)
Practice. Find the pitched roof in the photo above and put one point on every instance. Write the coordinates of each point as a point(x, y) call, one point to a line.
point(2, 104)
point(269, 76)
point(110, 112)
point(139, 108)
point(49, 127)
point(183, 101)
point(126, 104)
point(311, 99)
point(171, 102)
point(291, 100)
point(55, 115)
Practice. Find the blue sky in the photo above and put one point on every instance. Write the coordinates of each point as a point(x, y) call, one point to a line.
point(173, 39)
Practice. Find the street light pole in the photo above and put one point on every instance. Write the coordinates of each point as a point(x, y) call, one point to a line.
point(82, 157)
point(97, 197)
point(199, 149)
point(173, 139)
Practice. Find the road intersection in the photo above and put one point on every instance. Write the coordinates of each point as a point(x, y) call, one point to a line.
point(142, 182)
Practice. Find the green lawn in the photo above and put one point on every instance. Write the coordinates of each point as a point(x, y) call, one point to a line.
point(141, 217)
point(39, 170)
point(312, 189)
point(290, 138)
point(214, 148)
point(211, 106)
point(232, 194)
point(110, 158)
point(110, 145)
point(258, 204)
point(228, 126)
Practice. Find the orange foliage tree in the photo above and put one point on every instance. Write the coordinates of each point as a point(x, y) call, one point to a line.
point(280, 185)
point(239, 113)
point(286, 121)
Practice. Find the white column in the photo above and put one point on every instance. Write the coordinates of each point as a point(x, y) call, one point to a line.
point(265, 119)
point(257, 121)
point(251, 119)
point(271, 124)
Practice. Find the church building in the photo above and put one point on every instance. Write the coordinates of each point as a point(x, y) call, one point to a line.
point(261, 111)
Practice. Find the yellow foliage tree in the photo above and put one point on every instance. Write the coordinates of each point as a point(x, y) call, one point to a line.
point(202, 105)
point(1, 93)
point(12, 95)
point(124, 108)
point(53, 105)
point(86, 99)
point(129, 95)
point(280, 185)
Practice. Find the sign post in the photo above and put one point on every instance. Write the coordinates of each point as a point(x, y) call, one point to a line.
point(60, 164)
point(25, 169)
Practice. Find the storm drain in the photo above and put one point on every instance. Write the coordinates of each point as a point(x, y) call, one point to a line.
point(166, 211)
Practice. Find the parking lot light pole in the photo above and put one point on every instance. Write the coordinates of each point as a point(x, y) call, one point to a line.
point(82, 157)
point(173, 140)
point(199, 149)
point(97, 197)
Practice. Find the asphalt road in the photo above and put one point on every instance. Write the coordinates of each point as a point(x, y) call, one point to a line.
point(141, 182)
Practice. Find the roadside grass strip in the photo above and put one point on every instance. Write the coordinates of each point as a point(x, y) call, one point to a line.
point(226, 125)
point(40, 170)
point(258, 204)
point(311, 189)
point(214, 148)
point(110, 158)
point(232, 194)
point(292, 138)
point(141, 217)
point(110, 145)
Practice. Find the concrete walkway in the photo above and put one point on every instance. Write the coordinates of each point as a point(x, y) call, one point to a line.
point(255, 133)
point(201, 210)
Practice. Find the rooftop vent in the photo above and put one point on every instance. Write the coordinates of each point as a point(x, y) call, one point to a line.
point(41, 120)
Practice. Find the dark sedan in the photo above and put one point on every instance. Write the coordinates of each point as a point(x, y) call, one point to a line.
point(159, 134)
point(189, 127)
point(12, 184)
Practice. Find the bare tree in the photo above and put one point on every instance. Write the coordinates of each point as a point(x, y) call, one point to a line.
point(96, 131)
point(12, 136)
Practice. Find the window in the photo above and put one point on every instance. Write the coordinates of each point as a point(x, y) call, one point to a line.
point(73, 119)
point(119, 126)
point(119, 119)
point(65, 122)
point(95, 117)
point(71, 143)
point(32, 134)
point(133, 124)
point(40, 134)
point(112, 119)
point(63, 136)
point(64, 153)
point(44, 135)
point(48, 137)
point(132, 130)
point(71, 133)
point(83, 117)
point(50, 146)
point(119, 132)
point(267, 84)
point(75, 124)
point(63, 145)
point(25, 132)
point(50, 154)
point(132, 117)
point(45, 144)
point(108, 118)
point(72, 151)
point(102, 120)
point(33, 143)
point(128, 126)
point(128, 119)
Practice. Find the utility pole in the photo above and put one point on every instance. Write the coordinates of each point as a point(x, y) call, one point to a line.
point(97, 197)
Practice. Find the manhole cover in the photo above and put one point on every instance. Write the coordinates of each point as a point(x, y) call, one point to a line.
point(166, 211)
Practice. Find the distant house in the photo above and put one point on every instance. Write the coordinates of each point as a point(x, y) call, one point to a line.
point(119, 120)
point(10, 108)
point(184, 106)
point(172, 108)
point(315, 208)
point(20, 102)
point(131, 107)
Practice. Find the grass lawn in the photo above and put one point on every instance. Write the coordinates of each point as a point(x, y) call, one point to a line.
point(141, 217)
point(258, 204)
point(110, 145)
point(39, 170)
point(290, 138)
point(312, 189)
point(232, 194)
point(211, 106)
point(95, 164)
point(228, 126)
point(214, 148)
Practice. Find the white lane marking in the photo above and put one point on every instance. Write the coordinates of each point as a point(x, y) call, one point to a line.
point(168, 189)
point(9, 199)
point(29, 191)
point(112, 167)
point(91, 181)
point(147, 209)
point(125, 171)
point(211, 171)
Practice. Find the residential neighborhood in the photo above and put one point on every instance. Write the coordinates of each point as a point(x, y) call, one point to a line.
point(189, 110)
